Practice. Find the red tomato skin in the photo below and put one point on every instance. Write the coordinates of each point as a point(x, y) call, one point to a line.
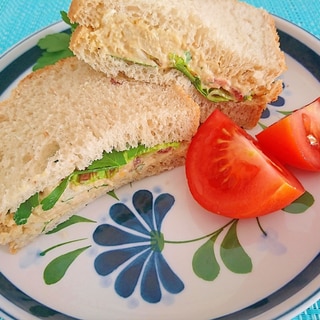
point(287, 139)
point(244, 189)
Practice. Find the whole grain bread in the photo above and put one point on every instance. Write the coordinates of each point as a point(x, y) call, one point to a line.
point(233, 46)
point(61, 118)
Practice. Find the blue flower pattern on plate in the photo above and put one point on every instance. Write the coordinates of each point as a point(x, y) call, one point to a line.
point(139, 244)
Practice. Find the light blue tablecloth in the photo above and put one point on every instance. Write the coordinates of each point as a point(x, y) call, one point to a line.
point(20, 18)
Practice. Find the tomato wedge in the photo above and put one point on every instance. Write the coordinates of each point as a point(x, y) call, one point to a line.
point(228, 174)
point(295, 139)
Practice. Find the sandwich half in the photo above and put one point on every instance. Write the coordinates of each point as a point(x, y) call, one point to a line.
point(70, 134)
point(227, 50)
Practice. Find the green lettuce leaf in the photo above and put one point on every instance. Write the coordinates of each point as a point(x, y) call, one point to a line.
point(212, 94)
point(108, 162)
point(49, 201)
point(24, 211)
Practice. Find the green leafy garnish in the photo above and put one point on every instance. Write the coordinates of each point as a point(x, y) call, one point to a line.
point(101, 168)
point(181, 64)
point(212, 94)
point(117, 159)
point(109, 161)
point(49, 58)
point(66, 19)
point(24, 211)
point(53, 43)
point(55, 46)
point(49, 201)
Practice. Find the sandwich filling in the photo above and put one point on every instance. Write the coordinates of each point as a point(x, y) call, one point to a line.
point(216, 93)
point(99, 170)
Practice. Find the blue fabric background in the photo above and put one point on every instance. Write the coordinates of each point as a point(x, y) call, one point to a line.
point(20, 18)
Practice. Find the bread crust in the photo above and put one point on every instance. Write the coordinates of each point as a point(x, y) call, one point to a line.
point(135, 38)
point(63, 117)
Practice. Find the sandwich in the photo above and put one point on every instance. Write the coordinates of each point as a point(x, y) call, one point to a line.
point(70, 134)
point(224, 53)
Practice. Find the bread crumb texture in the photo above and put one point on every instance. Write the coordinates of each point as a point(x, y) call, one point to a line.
point(233, 45)
point(64, 116)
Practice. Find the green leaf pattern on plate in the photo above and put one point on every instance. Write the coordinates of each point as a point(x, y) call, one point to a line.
point(207, 260)
point(57, 268)
point(204, 262)
point(301, 204)
point(232, 253)
point(72, 220)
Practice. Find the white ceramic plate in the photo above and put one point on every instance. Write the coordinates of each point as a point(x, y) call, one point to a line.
point(274, 276)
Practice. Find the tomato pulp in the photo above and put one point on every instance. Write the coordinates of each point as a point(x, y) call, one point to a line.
point(295, 139)
point(228, 174)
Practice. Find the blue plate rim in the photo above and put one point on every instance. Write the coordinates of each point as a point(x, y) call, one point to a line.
point(311, 271)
